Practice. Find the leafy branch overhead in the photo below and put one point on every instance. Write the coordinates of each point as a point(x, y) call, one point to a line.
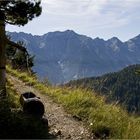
point(15, 12)
point(19, 12)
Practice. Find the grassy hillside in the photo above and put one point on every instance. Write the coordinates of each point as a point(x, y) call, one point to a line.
point(122, 87)
point(104, 120)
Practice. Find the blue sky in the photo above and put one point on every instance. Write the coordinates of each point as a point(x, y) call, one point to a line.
point(94, 18)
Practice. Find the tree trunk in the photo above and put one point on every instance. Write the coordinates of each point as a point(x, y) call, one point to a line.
point(2, 58)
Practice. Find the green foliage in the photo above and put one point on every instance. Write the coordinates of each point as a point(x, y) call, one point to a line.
point(10, 52)
point(19, 12)
point(104, 120)
point(19, 59)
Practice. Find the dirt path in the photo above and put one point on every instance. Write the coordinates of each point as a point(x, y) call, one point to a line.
point(61, 124)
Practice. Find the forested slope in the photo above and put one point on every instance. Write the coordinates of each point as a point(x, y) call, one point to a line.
point(122, 87)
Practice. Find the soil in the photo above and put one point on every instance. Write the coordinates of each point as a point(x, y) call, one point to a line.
point(62, 125)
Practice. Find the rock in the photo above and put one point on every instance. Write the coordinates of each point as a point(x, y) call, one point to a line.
point(77, 118)
point(68, 137)
point(57, 132)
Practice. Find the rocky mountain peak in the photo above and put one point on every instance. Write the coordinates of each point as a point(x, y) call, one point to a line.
point(63, 56)
point(114, 40)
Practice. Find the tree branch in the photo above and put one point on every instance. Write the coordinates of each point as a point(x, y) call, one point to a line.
point(16, 45)
point(9, 22)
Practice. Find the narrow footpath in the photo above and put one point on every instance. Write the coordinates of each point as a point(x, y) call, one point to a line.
point(62, 125)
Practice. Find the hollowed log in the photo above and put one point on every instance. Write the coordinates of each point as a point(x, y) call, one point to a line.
point(31, 104)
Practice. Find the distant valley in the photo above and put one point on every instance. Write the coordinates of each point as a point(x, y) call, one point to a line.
point(65, 56)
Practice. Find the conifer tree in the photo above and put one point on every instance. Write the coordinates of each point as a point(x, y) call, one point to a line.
point(15, 12)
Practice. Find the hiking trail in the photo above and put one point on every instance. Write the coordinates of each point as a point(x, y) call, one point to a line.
point(62, 124)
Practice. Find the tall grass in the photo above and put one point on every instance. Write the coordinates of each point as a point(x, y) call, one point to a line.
point(103, 120)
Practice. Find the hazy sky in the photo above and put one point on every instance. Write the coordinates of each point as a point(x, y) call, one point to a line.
point(94, 18)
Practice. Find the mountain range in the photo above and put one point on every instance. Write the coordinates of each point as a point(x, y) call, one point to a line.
point(65, 56)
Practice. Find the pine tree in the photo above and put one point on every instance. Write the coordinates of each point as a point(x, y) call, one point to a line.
point(15, 12)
